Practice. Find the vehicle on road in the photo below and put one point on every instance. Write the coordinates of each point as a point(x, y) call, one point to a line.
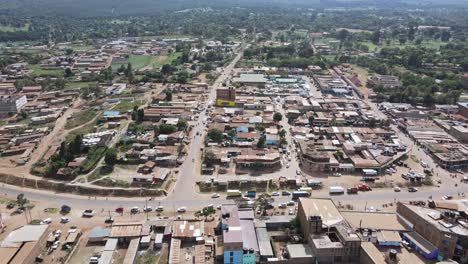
point(233, 193)
point(251, 194)
point(46, 221)
point(147, 209)
point(287, 165)
point(336, 190)
point(135, 210)
point(285, 193)
point(160, 208)
point(352, 190)
point(64, 220)
point(182, 209)
point(412, 189)
point(336, 174)
point(291, 211)
point(88, 213)
point(298, 194)
point(447, 197)
point(397, 189)
point(364, 188)
point(215, 195)
point(56, 244)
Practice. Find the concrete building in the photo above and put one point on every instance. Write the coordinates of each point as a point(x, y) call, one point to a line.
point(240, 245)
point(386, 81)
point(226, 96)
point(24, 244)
point(10, 105)
point(251, 79)
point(446, 230)
point(331, 239)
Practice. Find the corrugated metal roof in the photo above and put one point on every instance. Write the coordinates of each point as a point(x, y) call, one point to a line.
point(131, 251)
point(174, 251)
point(264, 243)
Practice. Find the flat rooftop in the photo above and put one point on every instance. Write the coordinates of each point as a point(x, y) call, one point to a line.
point(325, 208)
point(299, 251)
point(373, 220)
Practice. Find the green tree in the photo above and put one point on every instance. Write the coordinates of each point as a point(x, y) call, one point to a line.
point(168, 95)
point(182, 124)
point(282, 133)
point(277, 117)
point(209, 158)
point(111, 157)
point(261, 142)
point(263, 203)
point(215, 135)
point(21, 200)
point(68, 73)
point(166, 129)
point(166, 69)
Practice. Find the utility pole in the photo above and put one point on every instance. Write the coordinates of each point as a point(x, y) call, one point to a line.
point(146, 208)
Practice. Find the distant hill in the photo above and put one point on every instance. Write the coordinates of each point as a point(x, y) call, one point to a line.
point(122, 7)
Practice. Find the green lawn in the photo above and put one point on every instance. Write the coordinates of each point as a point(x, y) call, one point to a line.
point(126, 106)
point(80, 131)
point(77, 85)
point(37, 71)
point(8, 28)
point(431, 44)
point(141, 61)
point(80, 118)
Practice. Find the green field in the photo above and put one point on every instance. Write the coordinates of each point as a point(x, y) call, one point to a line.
point(78, 85)
point(37, 71)
point(126, 106)
point(9, 28)
point(431, 44)
point(141, 61)
point(80, 118)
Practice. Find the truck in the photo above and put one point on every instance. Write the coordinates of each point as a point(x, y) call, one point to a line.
point(352, 190)
point(336, 190)
point(306, 189)
point(251, 194)
point(369, 172)
point(233, 193)
point(298, 194)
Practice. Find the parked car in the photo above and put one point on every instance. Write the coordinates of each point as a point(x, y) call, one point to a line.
point(109, 220)
point(447, 197)
point(275, 194)
point(148, 208)
point(285, 193)
point(181, 209)
point(64, 220)
point(397, 189)
point(119, 210)
point(412, 189)
point(215, 195)
point(291, 203)
point(135, 210)
point(88, 213)
point(46, 221)
point(291, 211)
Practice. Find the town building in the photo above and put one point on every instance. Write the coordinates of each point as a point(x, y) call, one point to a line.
point(226, 96)
point(11, 104)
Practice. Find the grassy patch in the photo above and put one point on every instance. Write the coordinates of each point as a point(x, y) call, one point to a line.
point(100, 172)
point(8, 28)
point(37, 71)
point(126, 106)
point(112, 183)
point(6, 200)
point(80, 118)
point(78, 85)
point(147, 258)
point(93, 157)
point(141, 61)
point(51, 210)
point(89, 128)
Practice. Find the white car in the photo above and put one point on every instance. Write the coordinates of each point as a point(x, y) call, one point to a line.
point(182, 209)
point(275, 194)
point(64, 220)
point(46, 221)
point(215, 195)
point(148, 208)
point(287, 165)
point(56, 244)
point(88, 213)
point(291, 211)
point(160, 208)
point(397, 189)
